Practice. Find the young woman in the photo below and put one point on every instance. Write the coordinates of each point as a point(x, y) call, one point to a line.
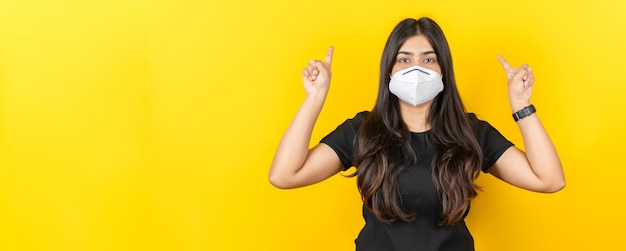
point(417, 152)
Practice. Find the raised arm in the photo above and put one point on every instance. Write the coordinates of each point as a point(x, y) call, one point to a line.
point(295, 165)
point(539, 168)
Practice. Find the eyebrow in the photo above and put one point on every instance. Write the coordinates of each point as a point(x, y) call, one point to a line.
point(411, 53)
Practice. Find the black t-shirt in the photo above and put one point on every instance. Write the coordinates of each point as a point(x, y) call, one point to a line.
point(417, 192)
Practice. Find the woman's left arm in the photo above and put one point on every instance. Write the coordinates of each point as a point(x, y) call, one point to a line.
point(539, 168)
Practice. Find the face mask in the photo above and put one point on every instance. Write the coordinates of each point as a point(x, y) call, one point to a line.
point(416, 85)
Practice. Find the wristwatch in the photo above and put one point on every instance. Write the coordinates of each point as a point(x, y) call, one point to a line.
point(524, 112)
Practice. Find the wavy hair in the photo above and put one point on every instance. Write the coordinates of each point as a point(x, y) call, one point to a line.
point(384, 149)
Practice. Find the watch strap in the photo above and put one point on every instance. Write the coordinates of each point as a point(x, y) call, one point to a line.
point(524, 112)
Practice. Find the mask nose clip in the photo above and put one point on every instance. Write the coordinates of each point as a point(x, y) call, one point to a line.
point(416, 69)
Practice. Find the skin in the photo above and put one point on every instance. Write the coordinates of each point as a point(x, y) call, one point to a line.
point(295, 165)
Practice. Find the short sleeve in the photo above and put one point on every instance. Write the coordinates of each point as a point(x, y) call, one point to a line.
point(491, 141)
point(341, 140)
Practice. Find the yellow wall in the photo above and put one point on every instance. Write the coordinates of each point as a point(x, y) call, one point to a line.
point(151, 125)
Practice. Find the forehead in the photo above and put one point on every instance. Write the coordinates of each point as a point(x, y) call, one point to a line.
point(416, 44)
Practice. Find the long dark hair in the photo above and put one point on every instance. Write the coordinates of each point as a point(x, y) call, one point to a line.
point(384, 149)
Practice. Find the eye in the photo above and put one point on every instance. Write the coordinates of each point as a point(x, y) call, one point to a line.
point(430, 60)
point(403, 60)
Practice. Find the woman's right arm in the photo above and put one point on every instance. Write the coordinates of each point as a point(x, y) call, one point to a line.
point(295, 165)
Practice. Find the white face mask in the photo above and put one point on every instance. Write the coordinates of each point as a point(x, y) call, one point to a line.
point(416, 85)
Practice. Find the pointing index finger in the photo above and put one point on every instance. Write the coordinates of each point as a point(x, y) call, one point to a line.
point(505, 64)
point(329, 55)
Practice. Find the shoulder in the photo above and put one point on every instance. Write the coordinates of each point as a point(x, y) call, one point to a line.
point(485, 132)
point(351, 125)
point(361, 115)
point(473, 118)
point(475, 122)
point(480, 127)
point(358, 119)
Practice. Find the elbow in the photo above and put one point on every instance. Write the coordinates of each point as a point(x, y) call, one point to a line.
point(555, 187)
point(280, 178)
point(278, 182)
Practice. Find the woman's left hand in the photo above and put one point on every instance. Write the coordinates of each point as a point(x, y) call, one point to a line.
point(520, 82)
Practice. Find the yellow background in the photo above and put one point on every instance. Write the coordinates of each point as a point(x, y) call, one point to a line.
point(151, 125)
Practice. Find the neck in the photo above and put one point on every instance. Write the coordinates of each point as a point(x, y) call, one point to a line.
point(416, 117)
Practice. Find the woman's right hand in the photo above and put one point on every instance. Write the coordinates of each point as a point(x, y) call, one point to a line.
point(294, 164)
point(316, 76)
